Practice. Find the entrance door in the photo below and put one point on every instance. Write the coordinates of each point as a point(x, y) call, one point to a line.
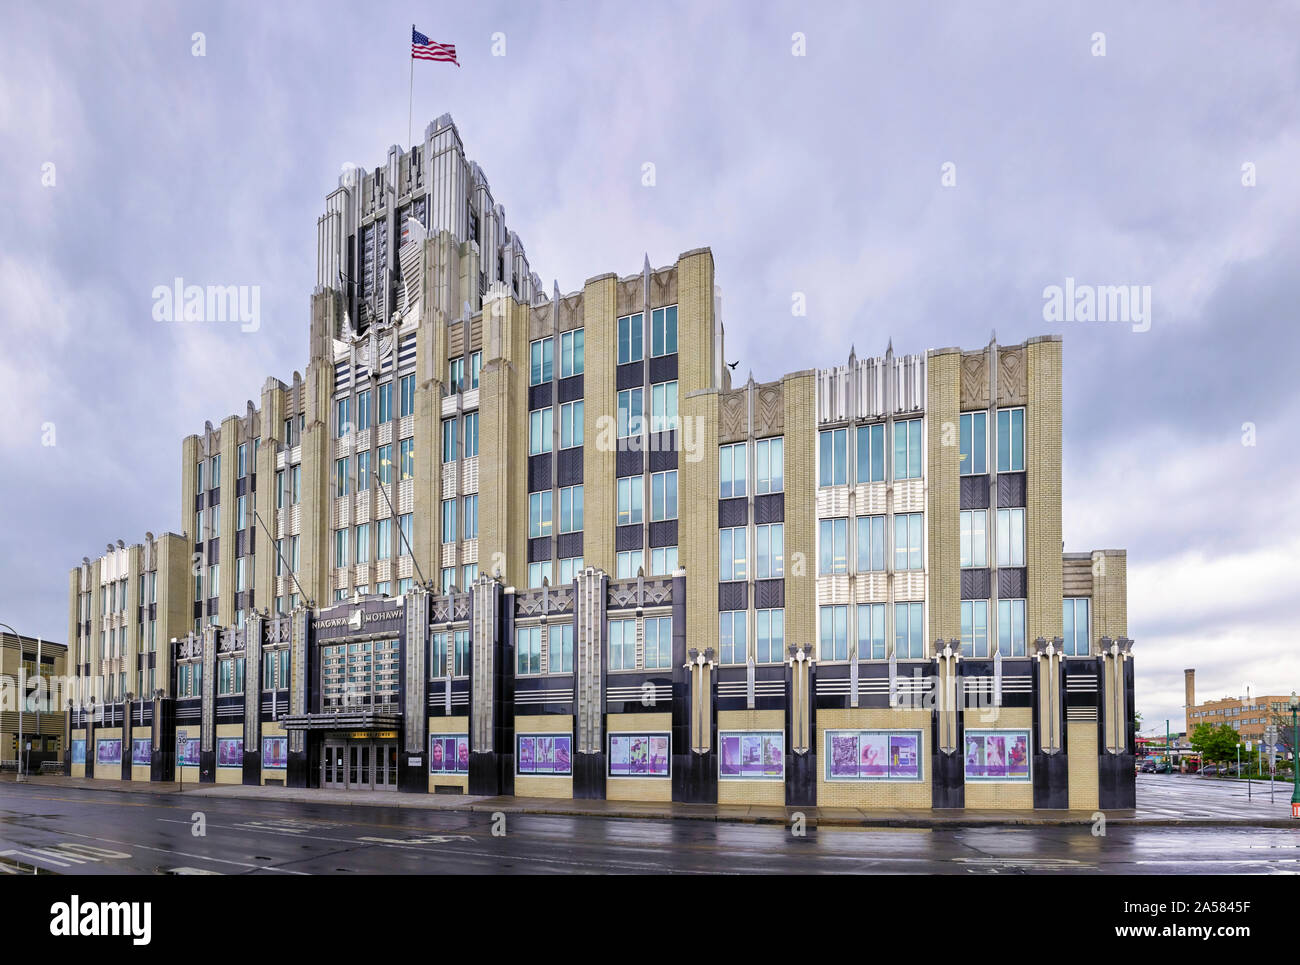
point(361, 767)
point(386, 767)
point(333, 762)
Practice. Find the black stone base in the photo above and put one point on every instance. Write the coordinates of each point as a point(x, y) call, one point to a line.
point(252, 766)
point(412, 773)
point(207, 767)
point(589, 777)
point(488, 773)
point(948, 779)
point(801, 779)
point(695, 778)
point(1051, 780)
point(1116, 782)
point(303, 768)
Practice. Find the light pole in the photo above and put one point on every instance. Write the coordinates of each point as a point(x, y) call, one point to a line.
point(1169, 751)
point(1295, 763)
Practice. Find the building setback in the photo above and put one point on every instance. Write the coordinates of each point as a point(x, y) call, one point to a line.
point(542, 545)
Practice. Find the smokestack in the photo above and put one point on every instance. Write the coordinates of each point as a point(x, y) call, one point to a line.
point(1189, 688)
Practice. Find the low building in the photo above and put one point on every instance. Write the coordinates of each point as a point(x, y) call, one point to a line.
point(1248, 715)
point(43, 722)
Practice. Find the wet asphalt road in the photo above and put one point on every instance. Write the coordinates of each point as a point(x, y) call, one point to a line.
point(83, 831)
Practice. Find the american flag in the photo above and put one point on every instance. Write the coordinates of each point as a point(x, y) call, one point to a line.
point(423, 49)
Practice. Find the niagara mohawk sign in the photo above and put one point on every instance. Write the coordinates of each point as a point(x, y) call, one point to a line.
point(358, 620)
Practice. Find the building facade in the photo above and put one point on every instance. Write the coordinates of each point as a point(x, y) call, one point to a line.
point(43, 721)
point(1248, 715)
point(511, 542)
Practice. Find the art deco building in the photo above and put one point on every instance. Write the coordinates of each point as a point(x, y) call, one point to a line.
point(500, 540)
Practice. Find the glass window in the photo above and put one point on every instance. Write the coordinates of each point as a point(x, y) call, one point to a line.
point(663, 495)
point(340, 547)
point(241, 512)
point(834, 633)
point(241, 460)
point(455, 375)
point(471, 515)
point(769, 551)
point(974, 539)
point(769, 637)
point(539, 573)
point(732, 461)
point(658, 648)
point(571, 353)
point(342, 421)
point(1011, 537)
point(279, 489)
point(559, 644)
point(871, 453)
point(407, 459)
point(663, 328)
point(1011, 440)
point(628, 564)
point(909, 631)
point(295, 479)
point(1076, 628)
point(733, 556)
point(1011, 628)
point(341, 477)
point(475, 368)
point(406, 388)
point(468, 574)
point(449, 520)
point(386, 403)
point(363, 410)
point(528, 649)
point(571, 424)
point(622, 644)
point(571, 509)
point(630, 347)
point(833, 455)
point(631, 496)
point(386, 464)
point(471, 434)
point(539, 514)
point(907, 541)
point(833, 546)
point(907, 449)
point(570, 567)
point(663, 560)
point(448, 440)
point(405, 533)
point(769, 465)
point(871, 543)
point(541, 355)
point(541, 428)
point(363, 543)
point(384, 539)
point(630, 413)
point(731, 636)
point(363, 470)
point(871, 631)
point(663, 406)
point(975, 628)
point(974, 443)
point(198, 486)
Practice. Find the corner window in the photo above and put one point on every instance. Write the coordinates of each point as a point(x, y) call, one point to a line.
point(630, 333)
point(1011, 440)
point(833, 457)
point(663, 331)
point(974, 443)
point(907, 449)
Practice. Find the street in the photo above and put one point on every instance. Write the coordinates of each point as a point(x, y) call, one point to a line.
point(85, 831)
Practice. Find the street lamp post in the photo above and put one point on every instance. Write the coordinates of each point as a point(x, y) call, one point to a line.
point(1295, 763)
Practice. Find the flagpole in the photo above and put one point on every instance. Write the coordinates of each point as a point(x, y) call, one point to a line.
point(411, 95)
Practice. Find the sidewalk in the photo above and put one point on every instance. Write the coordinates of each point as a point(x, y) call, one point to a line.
point(826, 817)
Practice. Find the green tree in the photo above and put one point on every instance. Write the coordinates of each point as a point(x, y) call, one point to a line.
point(1216, 744)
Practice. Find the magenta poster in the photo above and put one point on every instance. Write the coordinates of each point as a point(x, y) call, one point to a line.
point(751, 755)
point(543, 753)
point(997, 755)
point(275, 753)
point(230, 752)
point(638, 755)
point(448, 753)
point(873, 755)
point(141, 750)
point(187, 751)
point(108, 752)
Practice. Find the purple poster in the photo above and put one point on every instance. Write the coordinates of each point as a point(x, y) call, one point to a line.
point(187, 751)
point(108, 752)
point(751, 755)
point(141, 750)
point(638, 755)
point(997, 755)
point(230, 752)
point(874, 755)
point(544, 753)
point(449, 754)
point(275, 753)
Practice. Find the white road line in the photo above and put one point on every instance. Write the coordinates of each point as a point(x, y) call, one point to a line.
point(186, 854)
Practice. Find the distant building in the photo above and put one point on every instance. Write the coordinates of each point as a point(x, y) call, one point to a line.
point(1247, 715)
point(43, 718)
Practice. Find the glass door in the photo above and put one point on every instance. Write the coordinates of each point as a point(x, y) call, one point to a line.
point(333, 760)
point(386, 762)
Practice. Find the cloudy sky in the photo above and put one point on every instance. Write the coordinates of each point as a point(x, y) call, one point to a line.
point(128, 161)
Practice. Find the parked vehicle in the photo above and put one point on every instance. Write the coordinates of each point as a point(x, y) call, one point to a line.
point(1210, 771)
point(1164, 767)
point(1148, 767)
